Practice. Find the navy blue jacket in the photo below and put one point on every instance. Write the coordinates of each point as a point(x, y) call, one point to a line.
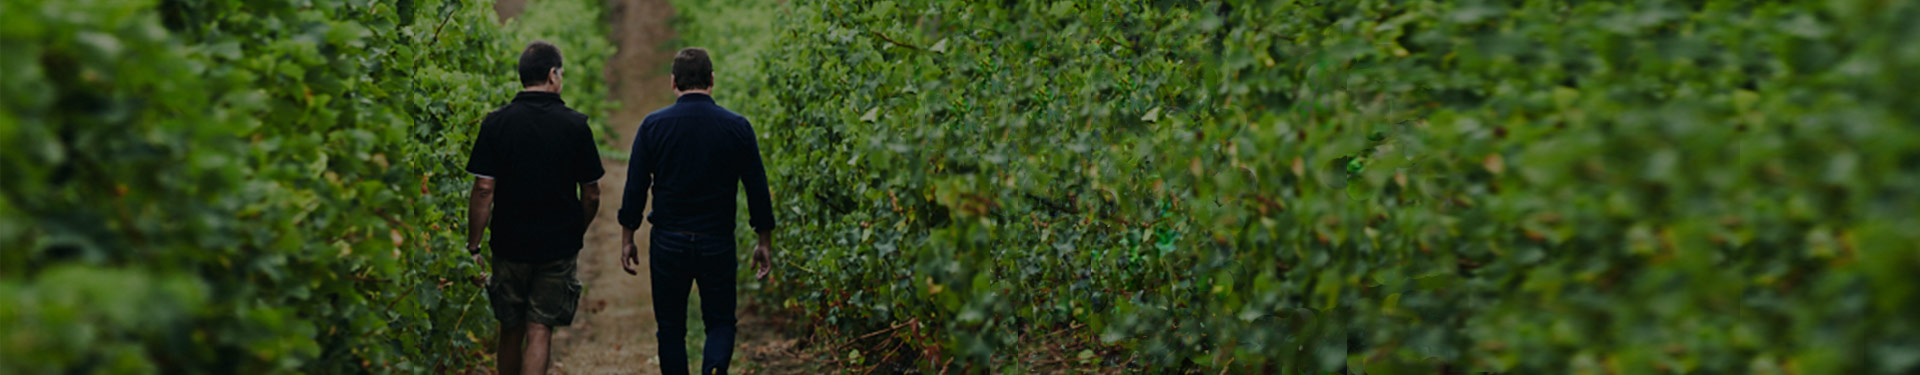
point(694, 155)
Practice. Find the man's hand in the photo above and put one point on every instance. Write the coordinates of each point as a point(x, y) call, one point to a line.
point(762, 261)
point(629, 253)
point(479, 263)
point(630, 258)
point(474, 249)
point(763, 256)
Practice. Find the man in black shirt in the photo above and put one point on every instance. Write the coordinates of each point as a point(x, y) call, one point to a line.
point(527, 162)
point(694, 155)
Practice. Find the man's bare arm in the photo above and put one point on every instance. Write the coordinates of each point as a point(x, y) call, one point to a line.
point(479, 212)
point(590, 200)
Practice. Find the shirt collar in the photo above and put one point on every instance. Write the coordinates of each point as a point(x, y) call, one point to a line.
point(537, 96)
point(694, 97)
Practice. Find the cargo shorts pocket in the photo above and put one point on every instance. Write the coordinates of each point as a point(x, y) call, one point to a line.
point(507, 292)
point(556, 293)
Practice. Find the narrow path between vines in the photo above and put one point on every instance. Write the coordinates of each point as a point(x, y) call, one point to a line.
point(613, 331)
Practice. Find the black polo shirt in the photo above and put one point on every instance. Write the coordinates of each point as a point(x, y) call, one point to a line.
point(695, 155)
point(536, 150)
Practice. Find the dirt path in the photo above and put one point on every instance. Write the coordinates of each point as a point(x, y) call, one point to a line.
point(613, 333)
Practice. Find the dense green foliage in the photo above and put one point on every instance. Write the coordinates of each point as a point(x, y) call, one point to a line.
point(250, 187)
point(1384, 186)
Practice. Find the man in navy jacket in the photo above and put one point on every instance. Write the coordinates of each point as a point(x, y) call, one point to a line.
point(692, 156)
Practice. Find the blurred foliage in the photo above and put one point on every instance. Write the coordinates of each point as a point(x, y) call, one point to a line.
point(1380, 186)
point(233, 186)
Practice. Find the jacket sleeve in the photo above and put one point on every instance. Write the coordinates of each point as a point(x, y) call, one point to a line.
point(633, 202)
point(754, 177)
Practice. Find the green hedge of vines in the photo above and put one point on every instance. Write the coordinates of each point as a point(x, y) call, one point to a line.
point(251, 187)
point(1379, 186)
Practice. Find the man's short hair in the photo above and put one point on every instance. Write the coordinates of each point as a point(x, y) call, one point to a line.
point(539, 58)
point(692, 70)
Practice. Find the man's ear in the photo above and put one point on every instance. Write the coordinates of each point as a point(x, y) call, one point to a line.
point(673, 83)
point(553, 75)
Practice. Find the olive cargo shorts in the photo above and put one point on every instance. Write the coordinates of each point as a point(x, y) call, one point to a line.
point(545, 293)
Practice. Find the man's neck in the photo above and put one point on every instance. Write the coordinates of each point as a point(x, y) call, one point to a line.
point(542, 88)
point(679, 93)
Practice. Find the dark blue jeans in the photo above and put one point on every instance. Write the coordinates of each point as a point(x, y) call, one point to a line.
point(678, 260)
